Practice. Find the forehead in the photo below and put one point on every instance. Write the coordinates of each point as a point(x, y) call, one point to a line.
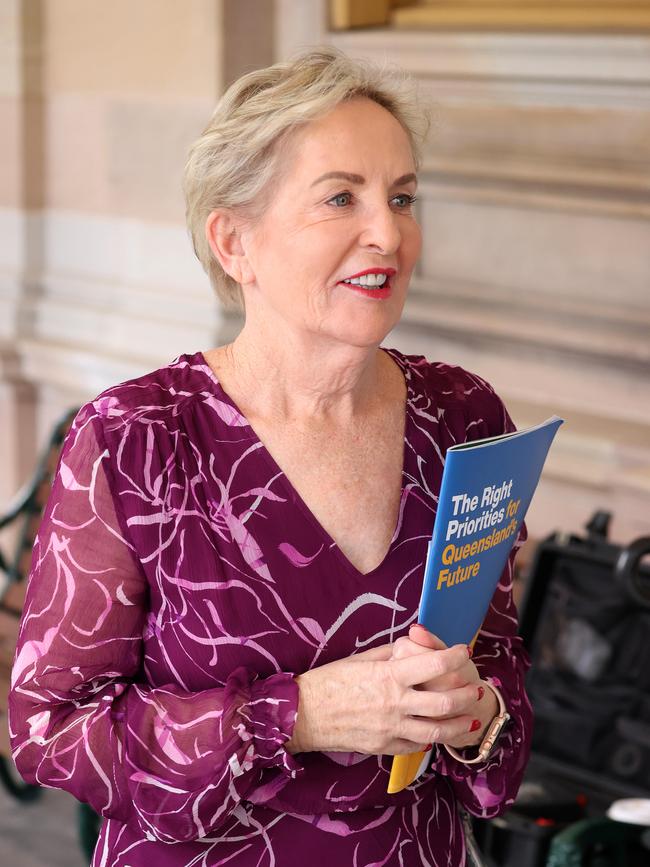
point(358, 135)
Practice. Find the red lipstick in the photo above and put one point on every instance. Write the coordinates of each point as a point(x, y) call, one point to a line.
point(377, 292)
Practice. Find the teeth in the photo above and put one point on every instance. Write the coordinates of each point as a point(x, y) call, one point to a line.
point(369, 281)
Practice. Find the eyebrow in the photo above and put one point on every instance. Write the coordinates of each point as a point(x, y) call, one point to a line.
point(359, 179)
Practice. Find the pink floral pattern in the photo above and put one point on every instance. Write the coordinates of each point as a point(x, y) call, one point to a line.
point(179, 582)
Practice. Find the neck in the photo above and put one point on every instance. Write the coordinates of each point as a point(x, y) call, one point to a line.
point(306, 376)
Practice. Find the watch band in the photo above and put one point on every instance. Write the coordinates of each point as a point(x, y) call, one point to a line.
point(493, 731)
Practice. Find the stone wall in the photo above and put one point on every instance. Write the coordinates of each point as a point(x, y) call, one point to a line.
point(98, 281)
point(534, 201)
point(535, 209)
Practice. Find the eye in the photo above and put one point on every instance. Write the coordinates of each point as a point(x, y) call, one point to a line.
point(340, 200)
point(403, 201)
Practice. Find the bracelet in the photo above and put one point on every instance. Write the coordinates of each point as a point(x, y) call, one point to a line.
point(494, 730)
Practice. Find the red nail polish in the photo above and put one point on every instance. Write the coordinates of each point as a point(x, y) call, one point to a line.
point(428, 747)
point(469, 651)
point(475, 726)
point(481, 693)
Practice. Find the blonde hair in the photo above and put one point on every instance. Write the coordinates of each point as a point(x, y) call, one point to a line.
point(235, 160)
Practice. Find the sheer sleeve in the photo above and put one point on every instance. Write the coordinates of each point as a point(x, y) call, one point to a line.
point(82, 716)
point(486, 790)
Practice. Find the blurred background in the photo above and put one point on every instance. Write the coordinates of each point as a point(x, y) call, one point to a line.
point(534, 201)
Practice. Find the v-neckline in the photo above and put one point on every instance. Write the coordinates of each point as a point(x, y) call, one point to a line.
point(297, 498)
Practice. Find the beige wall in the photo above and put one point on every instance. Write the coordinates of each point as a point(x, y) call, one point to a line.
point(535, 204)
point(98, 105)
point(127, 85)
point(156, 49)
point(122, 88)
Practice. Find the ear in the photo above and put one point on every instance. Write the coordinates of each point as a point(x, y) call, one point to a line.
point(223, 232)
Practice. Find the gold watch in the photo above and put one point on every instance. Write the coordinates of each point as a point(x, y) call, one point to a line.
point(491, 735)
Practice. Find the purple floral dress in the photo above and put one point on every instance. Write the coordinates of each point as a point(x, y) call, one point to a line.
point(178, 584)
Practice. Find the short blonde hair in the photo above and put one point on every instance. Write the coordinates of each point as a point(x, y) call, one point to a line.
point(234, 161)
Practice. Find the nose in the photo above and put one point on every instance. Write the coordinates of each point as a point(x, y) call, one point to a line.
point(381, 232)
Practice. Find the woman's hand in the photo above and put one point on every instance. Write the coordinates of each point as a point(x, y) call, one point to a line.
point(374, 702)
point(484, 706)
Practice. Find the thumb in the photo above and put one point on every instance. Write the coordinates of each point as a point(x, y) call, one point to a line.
point(420, 635)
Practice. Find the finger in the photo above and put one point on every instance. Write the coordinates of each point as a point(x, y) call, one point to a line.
point(421, 635)
point(441, 705)
point(426, 666)
point(404, 647)
point(460, 677)
point(401, 747)
point(453, 680)
point(457, 731)
point(375, 653)
point(418, 640)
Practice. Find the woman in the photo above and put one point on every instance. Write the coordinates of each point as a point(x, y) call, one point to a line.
point(219, 650)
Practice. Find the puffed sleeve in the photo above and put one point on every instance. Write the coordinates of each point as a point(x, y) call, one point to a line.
point(82, 716)
point(500, 657)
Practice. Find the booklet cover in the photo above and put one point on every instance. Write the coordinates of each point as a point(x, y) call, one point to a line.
point(486, 488)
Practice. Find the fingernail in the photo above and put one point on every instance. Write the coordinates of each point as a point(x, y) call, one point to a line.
point(481, 693)
point(469, 650)
point(427, 747)
point(475, 726)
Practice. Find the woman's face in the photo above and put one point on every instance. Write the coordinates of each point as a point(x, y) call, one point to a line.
point(341, 208)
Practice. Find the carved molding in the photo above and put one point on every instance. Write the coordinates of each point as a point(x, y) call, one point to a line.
point(528, 15)
point(556, 15)
point(344, 14)
point(535, 209)
point(567, 59)
point(599, 340)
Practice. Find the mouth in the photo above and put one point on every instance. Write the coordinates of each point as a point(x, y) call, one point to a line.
point(373, 282)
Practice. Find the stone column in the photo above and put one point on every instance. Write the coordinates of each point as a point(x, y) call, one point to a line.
point(98, 278)
point(21, 189)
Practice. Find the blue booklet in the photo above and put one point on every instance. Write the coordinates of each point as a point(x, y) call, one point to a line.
point(486, 488)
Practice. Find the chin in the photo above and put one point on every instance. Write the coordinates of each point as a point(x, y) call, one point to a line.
point(357, 322)
point(363, 335)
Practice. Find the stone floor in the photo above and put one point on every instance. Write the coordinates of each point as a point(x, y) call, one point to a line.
point(40, 834)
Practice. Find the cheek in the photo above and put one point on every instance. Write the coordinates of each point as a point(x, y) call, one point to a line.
point(320, 254)
point(413, 242)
